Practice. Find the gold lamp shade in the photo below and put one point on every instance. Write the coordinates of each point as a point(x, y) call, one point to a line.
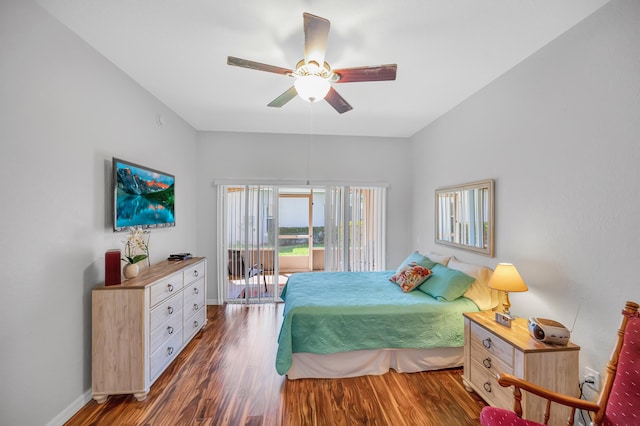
point(506, 278)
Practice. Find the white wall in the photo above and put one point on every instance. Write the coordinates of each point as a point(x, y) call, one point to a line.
point(285, 157)
point(64, 112)
point(560, 134)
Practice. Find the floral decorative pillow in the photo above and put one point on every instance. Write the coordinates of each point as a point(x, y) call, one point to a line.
point(411, 276)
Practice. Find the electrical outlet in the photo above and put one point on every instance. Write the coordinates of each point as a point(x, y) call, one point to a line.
point(591, 378)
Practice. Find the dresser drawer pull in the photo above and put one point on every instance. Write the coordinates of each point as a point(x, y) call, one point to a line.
point(487, 343)
point(487, 387)
point(195, 274)
point(196, 291)
point(170, 330)
point(170, 310)
point(195, 306)
point(487, 362)
point(170, 350)
point(196, 324)
point(170, 287)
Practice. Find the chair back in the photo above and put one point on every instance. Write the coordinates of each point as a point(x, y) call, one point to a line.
point(236, 264)
point(620, 398)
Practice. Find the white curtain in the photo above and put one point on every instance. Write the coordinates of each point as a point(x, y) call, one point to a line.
point(355, 224)
point(247, 220)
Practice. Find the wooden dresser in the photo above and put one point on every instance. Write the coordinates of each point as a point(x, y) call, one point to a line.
point(491, 348)
point(141, 325)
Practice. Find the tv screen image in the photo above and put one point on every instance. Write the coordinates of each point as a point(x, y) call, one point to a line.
point(143, 197)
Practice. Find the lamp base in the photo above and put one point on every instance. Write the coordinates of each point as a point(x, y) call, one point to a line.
point(504, 319)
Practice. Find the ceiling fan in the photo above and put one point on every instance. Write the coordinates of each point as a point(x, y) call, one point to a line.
point(313, 75)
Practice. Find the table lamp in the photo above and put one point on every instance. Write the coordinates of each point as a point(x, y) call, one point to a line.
point(506, 278)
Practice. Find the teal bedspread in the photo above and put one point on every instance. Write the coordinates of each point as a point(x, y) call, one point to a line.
point(328, 312)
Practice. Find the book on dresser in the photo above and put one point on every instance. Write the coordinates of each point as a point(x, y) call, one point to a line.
point(140, 326)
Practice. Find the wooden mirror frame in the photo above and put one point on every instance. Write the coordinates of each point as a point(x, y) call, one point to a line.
point(460, 235)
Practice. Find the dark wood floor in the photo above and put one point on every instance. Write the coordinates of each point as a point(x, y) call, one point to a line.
point(227, 376)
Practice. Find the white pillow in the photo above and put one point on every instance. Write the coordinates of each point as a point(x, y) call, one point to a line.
point(479, 291)
point(438, 258)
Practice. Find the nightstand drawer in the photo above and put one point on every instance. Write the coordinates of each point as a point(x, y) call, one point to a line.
point(489, 343)
point(486, 384)
point(489, 361)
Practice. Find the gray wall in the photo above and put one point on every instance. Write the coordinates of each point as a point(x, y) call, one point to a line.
point(560, 134)
point(64, 112)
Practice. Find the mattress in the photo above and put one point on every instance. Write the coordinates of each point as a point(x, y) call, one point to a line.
point(345, 312)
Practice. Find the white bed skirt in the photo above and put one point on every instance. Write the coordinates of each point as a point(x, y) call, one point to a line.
point(372, 362)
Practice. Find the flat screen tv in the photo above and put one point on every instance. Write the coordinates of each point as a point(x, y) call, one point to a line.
point(143, 197)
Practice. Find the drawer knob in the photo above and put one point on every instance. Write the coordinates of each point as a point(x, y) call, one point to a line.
point(487, 387)
point(487, 362)
point(170, 287)
point(170, 350)
point(196, 291)
point(196, 324)
point(170, 310)
point(170, 330)
point(195, 306)
point(487, 343)
point(195, 274)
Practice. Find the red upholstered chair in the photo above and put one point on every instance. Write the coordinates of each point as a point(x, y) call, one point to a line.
point(619, 400)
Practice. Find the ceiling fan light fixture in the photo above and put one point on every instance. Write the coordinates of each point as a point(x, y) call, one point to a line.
point(312, 88)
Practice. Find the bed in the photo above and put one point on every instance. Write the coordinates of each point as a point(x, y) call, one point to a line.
point(348, 324)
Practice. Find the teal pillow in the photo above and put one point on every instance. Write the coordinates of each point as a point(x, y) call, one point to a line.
point(446, 284)
point(418, 259)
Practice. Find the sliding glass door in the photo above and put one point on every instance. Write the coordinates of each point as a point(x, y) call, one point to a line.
point(268, 232)
point(247, 230)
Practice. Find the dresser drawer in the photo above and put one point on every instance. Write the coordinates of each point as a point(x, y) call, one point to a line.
point(486, 384)
point(166, 288)
point(170, 308)
point(165, 354)
point(491, 345)
point(195, 323)
point(164, 332)
point(194, 297)
point(194, 272)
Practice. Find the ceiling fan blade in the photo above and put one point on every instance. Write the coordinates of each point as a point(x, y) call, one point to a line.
point(374, 73)
point(316, 34)
point(284, 98)
point(337, 101)
point(245, 63)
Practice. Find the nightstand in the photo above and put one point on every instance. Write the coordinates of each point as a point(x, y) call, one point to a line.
point(491, 348)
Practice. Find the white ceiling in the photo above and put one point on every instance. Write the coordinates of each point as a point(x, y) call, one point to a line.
point(446, 50)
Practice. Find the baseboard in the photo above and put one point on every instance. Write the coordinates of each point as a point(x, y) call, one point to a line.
point(72, 409)
point(214, 302)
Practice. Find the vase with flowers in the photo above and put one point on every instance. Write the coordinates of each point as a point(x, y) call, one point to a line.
point(136, 249)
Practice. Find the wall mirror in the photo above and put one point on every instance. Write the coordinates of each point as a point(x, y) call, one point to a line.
point(464, 216)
